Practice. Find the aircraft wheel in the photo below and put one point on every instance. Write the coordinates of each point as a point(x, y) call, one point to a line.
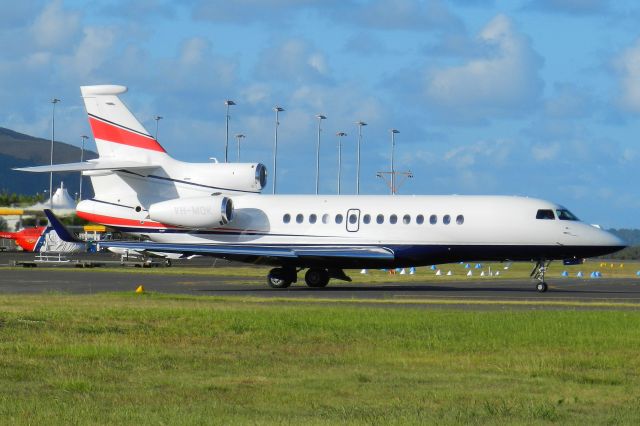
point(541, 287)
point(277, 278)
point(317, 277)
point(167, 262)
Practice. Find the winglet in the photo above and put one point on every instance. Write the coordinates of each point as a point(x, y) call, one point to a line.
point(61, 230)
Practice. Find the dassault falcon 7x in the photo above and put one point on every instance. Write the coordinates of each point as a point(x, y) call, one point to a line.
point(216, 209)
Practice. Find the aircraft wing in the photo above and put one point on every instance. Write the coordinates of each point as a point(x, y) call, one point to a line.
point(88, 166)
point(244, 251)
point(241, 252)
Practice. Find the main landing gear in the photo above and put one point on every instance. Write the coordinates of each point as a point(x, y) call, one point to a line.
point(538, 273)
point(314, 277)
point(281, 277)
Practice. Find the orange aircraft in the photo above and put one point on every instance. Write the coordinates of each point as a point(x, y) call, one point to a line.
point(30, 239)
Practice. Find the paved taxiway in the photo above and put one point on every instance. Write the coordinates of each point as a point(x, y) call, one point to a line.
point(87, 281)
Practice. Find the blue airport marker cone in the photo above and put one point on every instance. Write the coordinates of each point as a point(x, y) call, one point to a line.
point(593, 275)
point(565, 274)
point(638, 273)
point(478, 265)
point(412, 270)
point(467, 266)
point(579, 274)
point(433, 267)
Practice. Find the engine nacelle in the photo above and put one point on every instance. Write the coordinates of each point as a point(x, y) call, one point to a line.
point(197, 212)
point(245, 177)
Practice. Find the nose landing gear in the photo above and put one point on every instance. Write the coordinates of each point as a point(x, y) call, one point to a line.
point(538, 273)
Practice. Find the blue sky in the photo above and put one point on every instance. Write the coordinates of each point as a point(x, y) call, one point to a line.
point(534, 97)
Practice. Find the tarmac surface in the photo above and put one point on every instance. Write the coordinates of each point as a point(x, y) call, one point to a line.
point(563, 292)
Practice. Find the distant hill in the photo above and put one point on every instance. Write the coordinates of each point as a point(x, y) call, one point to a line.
point(19, 150)
point(631, 236)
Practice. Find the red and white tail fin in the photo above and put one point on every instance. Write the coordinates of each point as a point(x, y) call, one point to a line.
point(118, 134)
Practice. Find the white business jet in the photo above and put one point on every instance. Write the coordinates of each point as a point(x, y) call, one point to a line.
point(215, 209)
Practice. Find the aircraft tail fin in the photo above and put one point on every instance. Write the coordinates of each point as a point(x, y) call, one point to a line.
point(117, 132)
point(61, 230)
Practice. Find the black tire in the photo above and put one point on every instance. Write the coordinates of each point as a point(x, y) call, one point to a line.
point(541, 287)
point(317, 277)
point(277, 278)
point(167, 262)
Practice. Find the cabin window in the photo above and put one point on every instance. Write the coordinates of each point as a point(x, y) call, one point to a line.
point(406, 219)
point(339, 218)
point(545, 214)
point(564, 214)
point(325, 218)
point(380, 219)
point(446, 219)
point(313, 218)
point(286, 218)
point(393, 219)
point(419, 219)
point(460, 219)
point(353, 219)
point(433, 219)
point(299, 218)
point(366, 219)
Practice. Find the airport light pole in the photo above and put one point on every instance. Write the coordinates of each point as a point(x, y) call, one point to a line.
point(54, 101)
point(84, 139)
point(320, 117)
point(394, 132)
point(340, 135)
point(360, 124)
point(227, 103)
point(277, 110)
point(239, 136)
point(157, 118)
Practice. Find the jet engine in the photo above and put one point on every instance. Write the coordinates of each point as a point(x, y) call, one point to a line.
point(244, 177)
point(197, 212)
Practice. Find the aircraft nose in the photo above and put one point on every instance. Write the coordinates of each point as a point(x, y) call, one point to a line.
point(608, 239)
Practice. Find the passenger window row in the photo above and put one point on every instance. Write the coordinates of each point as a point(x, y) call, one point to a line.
point(379, 219)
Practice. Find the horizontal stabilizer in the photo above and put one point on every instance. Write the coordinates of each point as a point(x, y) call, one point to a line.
point(88, 166)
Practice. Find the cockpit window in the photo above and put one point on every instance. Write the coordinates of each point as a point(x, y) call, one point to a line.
point(564, 214)
point(545, 214)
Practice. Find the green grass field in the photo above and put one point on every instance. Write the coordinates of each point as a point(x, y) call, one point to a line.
point(153, 359)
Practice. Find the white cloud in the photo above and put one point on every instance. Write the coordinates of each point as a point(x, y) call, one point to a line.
point(627, 65)
point(483, 151)
point(545, 152)
point(92, 52)
point(256, 93)
point(568, 102)
point(504, 82)
point(55, 27)
point(293, 60)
